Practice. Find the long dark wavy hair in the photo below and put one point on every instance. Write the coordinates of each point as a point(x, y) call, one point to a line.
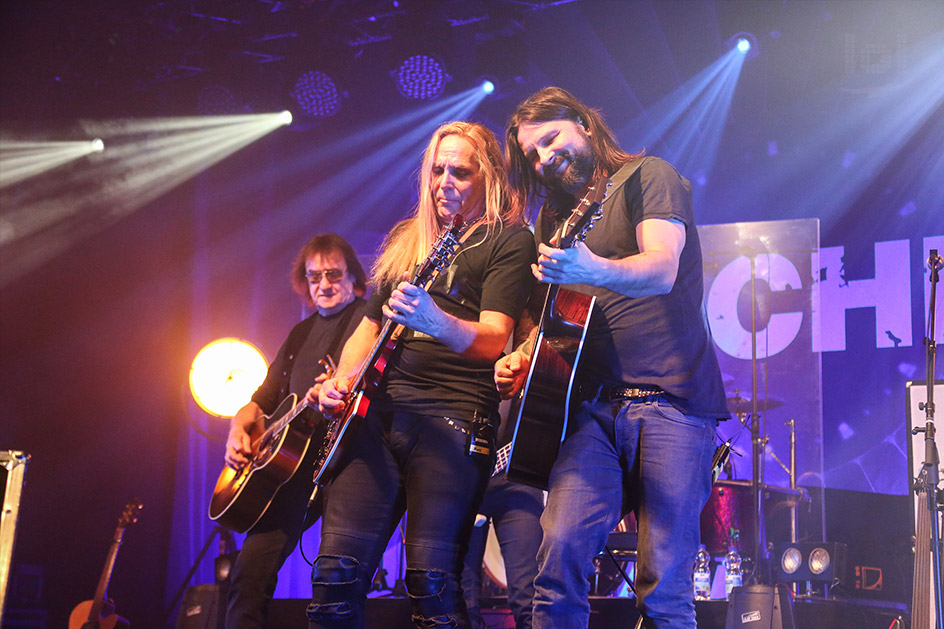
point(555, 103)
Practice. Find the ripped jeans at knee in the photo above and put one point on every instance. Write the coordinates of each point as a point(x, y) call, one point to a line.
point(436, 600)
point(338, 585)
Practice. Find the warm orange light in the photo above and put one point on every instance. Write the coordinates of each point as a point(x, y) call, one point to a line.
point(224, 375)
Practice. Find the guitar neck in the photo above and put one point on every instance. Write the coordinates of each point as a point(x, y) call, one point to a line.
point(101, 592)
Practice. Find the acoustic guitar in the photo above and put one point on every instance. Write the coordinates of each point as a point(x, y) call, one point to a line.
point(242, 496)
point(542, 409)
point(99, 613)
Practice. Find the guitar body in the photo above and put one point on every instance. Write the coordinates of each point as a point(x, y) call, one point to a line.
point(80, 616)
point(242, 496)
point(543, 407)
point(542, 410)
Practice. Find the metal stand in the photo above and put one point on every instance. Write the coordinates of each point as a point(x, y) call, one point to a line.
point(928, 528)
point(227, 544)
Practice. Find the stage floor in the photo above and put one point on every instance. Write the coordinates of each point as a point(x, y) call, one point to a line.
point(613, 612)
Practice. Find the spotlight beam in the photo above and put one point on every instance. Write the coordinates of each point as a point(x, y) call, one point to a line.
point(22, 160)
point(149, 159)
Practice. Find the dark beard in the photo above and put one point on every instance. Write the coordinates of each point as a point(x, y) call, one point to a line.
point(575, 177)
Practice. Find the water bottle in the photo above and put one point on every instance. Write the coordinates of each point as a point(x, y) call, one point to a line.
point(732, 565)
point(702, 574)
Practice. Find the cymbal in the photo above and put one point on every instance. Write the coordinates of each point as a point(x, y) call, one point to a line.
point(739, 405)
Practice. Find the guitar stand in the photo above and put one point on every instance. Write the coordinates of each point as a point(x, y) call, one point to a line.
point(226, 540)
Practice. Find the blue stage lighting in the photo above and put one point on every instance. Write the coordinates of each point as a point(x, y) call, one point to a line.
point(421, 77)
point(317, 95)
point(488, 86)
point(745, 43)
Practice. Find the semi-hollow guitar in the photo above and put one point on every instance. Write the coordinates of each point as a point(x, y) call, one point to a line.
point(371, 372)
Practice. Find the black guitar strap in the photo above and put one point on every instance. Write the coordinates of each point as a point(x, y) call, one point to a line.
point(547, 224)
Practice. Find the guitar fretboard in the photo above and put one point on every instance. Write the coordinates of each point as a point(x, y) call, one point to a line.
point(501, 459)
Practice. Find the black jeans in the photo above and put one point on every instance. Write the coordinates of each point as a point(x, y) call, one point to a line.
point(266, 547)
point(399, 461)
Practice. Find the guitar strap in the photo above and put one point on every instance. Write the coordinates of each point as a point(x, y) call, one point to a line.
point(546, 224)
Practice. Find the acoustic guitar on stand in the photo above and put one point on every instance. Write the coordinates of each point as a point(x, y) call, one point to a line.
point(543, 407)
point(99, 613)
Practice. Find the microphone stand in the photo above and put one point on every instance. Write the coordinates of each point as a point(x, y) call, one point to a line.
point(928, 525)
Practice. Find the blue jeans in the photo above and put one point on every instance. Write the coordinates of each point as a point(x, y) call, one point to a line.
point(658, 461)
point(515, 512)
point(398, 461)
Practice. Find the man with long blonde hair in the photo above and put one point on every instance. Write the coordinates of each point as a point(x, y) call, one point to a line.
point(412, 451)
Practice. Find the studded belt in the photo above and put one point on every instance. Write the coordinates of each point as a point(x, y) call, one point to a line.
point(615, 393)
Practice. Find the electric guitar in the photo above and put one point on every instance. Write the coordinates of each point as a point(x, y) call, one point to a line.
point(99, 613)
point(242, 496)
point(542, 408)
point(371, 372)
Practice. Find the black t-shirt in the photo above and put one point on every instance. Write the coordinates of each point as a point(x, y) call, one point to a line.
point(296, 365)
point(661, 340)
point(490, 272)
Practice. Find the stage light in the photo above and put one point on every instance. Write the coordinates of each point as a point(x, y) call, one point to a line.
point(97, 145)
point(791, 560)
point(421, 77)
point(817, 562)
point(285, 117)
point(224, 375)
point(488, 86)
point(317, 94)
point(744, 43)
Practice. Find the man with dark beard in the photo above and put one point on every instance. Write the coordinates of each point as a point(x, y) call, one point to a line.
point(649, 389)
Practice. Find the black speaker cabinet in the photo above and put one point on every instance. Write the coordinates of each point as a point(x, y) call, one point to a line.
point(203, 607)
point(759, 607)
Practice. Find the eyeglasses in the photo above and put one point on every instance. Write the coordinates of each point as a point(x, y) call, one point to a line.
point(333, 275)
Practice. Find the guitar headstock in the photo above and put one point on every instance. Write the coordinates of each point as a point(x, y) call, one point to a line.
point(442, 253)
point(130, 513)
point(582, 218)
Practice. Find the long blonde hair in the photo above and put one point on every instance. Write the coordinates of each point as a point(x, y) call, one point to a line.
point(410, 241)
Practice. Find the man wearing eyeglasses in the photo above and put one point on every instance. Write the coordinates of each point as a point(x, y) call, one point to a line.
point(329, 277)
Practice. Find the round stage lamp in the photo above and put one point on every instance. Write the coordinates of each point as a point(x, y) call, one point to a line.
point(224, 375)
point(819, 560)
point(791, 560)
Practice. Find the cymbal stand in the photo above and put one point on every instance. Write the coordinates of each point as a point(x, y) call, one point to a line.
point(757, 443)
point(927, 529)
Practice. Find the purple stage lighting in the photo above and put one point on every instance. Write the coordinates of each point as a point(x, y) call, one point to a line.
point(421, 77)
point(316, 94)
point(745, 43)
